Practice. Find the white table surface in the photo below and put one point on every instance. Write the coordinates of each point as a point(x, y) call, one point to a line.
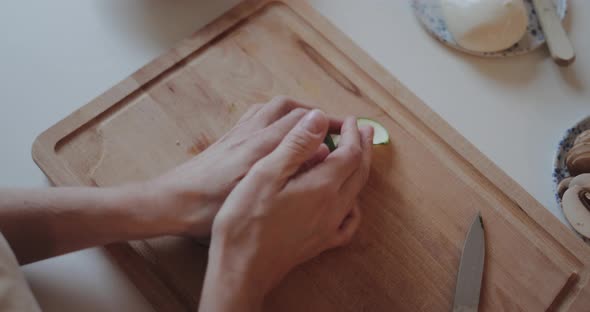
point(58, 55)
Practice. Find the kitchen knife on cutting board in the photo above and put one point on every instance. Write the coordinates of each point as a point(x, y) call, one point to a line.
point(470, 269)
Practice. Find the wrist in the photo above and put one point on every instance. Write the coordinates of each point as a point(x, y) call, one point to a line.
point(176, 211)
point(138, 206)
point(231, 284)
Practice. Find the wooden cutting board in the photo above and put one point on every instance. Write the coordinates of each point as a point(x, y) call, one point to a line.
point(425, 187)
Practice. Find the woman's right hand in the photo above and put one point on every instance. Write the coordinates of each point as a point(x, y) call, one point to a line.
point(293, 204)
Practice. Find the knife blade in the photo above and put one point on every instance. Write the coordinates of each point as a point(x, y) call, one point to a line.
point(470, 269)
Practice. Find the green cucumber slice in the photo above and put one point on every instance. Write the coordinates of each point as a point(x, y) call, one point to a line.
point(329, 143)
point(381, 136)
point(335, 139)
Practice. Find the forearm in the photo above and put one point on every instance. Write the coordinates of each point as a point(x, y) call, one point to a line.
point(42, 223)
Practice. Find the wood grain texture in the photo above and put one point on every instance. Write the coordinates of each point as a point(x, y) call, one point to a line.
point(424, 189)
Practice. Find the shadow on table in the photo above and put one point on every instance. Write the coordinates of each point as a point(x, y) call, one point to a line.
point(570, 74)
point(519, 71)
point(160, 23)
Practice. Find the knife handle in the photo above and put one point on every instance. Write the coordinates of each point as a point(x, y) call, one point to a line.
point(560, 46)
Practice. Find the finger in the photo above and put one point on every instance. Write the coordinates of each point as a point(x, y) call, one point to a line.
point(298, 146)
point(348, 228)
point(276, 108)
point(358, 179)
point(349, 135)
point(335, 125)
point(268, 139)
point(319, 156)
point(281, 105)
point(342, 162)
point(281, 127)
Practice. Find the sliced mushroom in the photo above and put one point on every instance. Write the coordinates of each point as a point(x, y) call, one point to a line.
point(578, 159)
point(563, 186)
point(582, 180)
point(576, 207)
point(583, 137)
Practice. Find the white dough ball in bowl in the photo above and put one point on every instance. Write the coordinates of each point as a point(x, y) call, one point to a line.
point(485, 25)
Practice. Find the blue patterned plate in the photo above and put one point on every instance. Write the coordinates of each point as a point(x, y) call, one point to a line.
point(560, 171)
point(430, 14)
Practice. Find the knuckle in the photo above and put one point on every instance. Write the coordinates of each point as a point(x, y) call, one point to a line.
point(286, 123)
point(282, 101)
point(298, 142)
point(299, 111)
point(262, 172)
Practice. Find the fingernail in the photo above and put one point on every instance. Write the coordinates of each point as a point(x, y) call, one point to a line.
point(313, 121)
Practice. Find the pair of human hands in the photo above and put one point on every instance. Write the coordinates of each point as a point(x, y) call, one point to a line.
point(270, 192)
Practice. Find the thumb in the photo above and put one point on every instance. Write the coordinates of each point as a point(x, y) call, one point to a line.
point(300, 144)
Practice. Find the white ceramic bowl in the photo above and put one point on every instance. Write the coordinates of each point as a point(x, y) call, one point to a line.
point(430, 14)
